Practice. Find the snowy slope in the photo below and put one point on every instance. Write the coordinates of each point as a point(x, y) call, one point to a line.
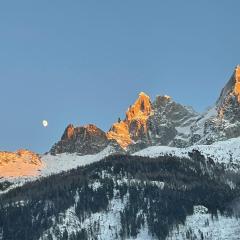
point(67, 161)
point(226, 152)
point(201, 225)
point(58, 163)
point(107, 223)
point(223, 151)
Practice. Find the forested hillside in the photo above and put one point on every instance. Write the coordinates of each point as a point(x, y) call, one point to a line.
point(153, 193)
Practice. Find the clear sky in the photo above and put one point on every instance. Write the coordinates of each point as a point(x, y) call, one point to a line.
point(85, 61)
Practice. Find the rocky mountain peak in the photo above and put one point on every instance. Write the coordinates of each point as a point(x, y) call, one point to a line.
point(237, 82)
point(141, 109)
point(87, 139)
point(69, 132)
point(130, 129)
point(93, 129)
point(222, 121)
point(161, 101)
point(120, 133)
point(228, 104)
point(161, 122)
point(231, 89)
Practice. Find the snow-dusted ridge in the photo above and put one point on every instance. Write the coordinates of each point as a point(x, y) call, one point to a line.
point(53, 164)
point(223, 151)
point(226, 152)
point(67, 161)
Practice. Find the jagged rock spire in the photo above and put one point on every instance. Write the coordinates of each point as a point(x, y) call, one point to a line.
point(232, 88)
point(135, 124)
point(87, 139)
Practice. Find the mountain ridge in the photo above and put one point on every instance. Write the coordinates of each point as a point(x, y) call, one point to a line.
point(20, 163)
point(161, 122)
point(165, 122)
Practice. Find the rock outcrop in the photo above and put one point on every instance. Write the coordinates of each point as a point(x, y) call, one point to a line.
point(161, 122)
point(83, 140)
point(134, 127)
point(222, 121)
point(170, 123)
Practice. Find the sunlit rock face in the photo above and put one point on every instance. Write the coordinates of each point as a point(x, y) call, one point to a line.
point(161, 122)
point(68, 133)
point(19, 164)
point(134, 127)
point(83, 140)
point(229, 100)
point(156, 123)
point(222, 121)
point(120, 132)
point(137, 117)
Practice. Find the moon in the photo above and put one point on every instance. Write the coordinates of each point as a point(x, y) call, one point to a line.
point(45, 123)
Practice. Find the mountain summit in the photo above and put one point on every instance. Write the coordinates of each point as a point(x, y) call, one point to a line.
point(232, 88)
point(84, 140)
point(222, 121)
point(161, 122)
point(134, 126)
point(229, 100)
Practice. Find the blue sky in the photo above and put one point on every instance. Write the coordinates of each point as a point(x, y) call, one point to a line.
point(85, 61)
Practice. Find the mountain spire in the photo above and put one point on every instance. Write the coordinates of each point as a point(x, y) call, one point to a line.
point(237, 82)
point(231, 89)
point(126, 131)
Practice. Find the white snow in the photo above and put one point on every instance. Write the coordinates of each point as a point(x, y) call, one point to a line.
point(67, 161)
point(226, 152)
point(183, 130)
point(211, 228)
point(59, 163)
point(106, 224)
point(210, 113)
point(223, 151)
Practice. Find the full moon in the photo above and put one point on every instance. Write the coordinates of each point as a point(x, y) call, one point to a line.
point(45, 123)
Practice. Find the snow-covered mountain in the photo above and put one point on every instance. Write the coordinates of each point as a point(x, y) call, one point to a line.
point(222, 121)
point(126, 197)
point(26, 167)
point(163, 172)
point(83, 140)
point(224, 152)
point(161, 122)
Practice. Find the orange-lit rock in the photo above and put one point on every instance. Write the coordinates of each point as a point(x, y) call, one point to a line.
point(20, 163)
point(140, 110)
point(127, 131)
point(84, 140)
point(230, 95)
point(92, 129)
point(69, 132)
point(237, 83)
point(120, 133)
